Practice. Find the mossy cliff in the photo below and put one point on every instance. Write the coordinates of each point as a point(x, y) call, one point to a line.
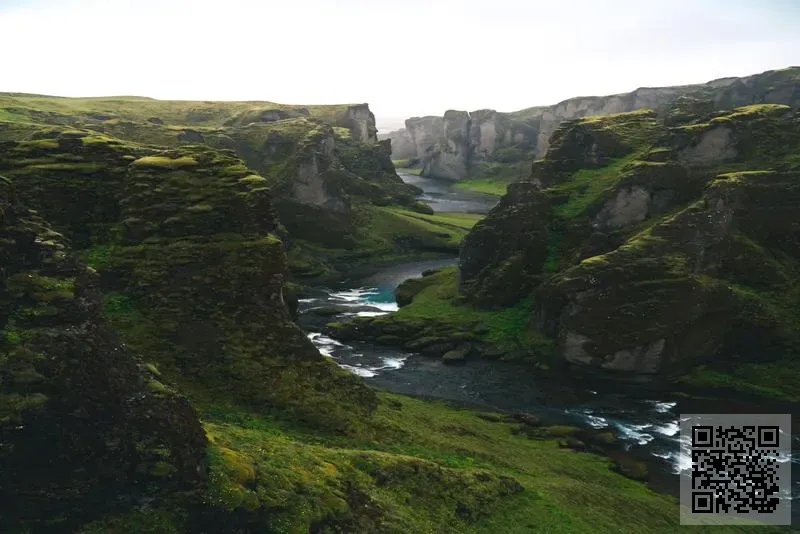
point(643, 245)
point(490, 145)
point(191, 225)
point(85, 426)
point(328, 174)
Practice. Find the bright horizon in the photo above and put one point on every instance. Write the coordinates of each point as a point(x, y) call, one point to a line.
point(418, 58)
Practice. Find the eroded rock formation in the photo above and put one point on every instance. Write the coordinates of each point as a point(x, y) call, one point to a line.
point(489, 136)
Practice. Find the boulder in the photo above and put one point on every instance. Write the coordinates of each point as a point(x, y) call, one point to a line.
point(458, 355)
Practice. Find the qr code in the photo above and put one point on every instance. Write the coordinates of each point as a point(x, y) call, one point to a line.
point(740, 466)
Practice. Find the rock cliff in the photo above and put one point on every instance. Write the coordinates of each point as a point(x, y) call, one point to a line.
point(496, 141)
point(635, 239)
point(85, 426)
point(193, 224)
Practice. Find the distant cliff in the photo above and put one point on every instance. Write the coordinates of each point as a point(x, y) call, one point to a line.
point(490, 143)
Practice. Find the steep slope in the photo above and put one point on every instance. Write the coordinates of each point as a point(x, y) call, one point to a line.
point(640, 245)
point(191, 225)
point(85, 426)
point(497, 145)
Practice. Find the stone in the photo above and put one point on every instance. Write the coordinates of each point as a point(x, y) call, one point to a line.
point(528, 419)
point(458, 355)
point(631, 468)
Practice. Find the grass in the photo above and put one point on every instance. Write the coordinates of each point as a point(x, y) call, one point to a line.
point(778, 380)
point(140, 109)
point(586, 185)
point(488, 186)
point(165, 162)
point(458, 220)
point(508, 328)
point(401, 165)
point(422, 466)
point(443, 231)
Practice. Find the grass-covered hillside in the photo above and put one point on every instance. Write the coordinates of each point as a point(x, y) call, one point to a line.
point(639, 245)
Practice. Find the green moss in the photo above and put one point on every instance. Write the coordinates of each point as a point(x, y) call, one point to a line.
point(143, 520)
point(200, 208)
point(752, 111)
point(253, 179)
point(778, 380)
point(437, 232)
point(64, 166)
point(586, 185)
point(41, 288)
point(418, 466)
point(488, 186)
point(165, 162)
point(438, 314)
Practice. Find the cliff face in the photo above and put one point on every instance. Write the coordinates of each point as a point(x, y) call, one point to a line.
point(361, 122)
point(424, 132)
point(504, 138)
point(85, 426)
point(448, 159)
point(402, 144)
point(650, 248)
point(191, 225)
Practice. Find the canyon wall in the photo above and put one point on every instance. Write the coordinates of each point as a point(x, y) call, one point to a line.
point(489, 142)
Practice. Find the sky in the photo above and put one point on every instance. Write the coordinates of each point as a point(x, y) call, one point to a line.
point(404, 57)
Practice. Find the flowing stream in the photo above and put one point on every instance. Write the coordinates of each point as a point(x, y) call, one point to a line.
point(646, 421)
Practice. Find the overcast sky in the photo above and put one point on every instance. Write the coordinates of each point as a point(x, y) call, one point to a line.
point(406, 57)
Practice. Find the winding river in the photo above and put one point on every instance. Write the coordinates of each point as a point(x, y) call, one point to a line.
point(647, 422)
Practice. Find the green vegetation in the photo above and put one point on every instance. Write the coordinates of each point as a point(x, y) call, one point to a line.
point(438, 317)
point(586, 185)
point(141, 109)
point(483, 185)
point(443, 231)
point(419, 466)
point(402, 165)
point(779, 380)
point(165, 162)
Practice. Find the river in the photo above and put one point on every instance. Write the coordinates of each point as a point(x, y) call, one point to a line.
point(647, 422)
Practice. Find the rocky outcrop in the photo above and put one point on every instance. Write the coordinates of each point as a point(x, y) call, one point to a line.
point(645, 190)
point(526, 134)
point(85, 425)
point(664, 301)
point(635, 237)
point(403, 147)
point(503, 255)
point(361, 122)
point(450, 156)
point(180, 239)
point(424, 132)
